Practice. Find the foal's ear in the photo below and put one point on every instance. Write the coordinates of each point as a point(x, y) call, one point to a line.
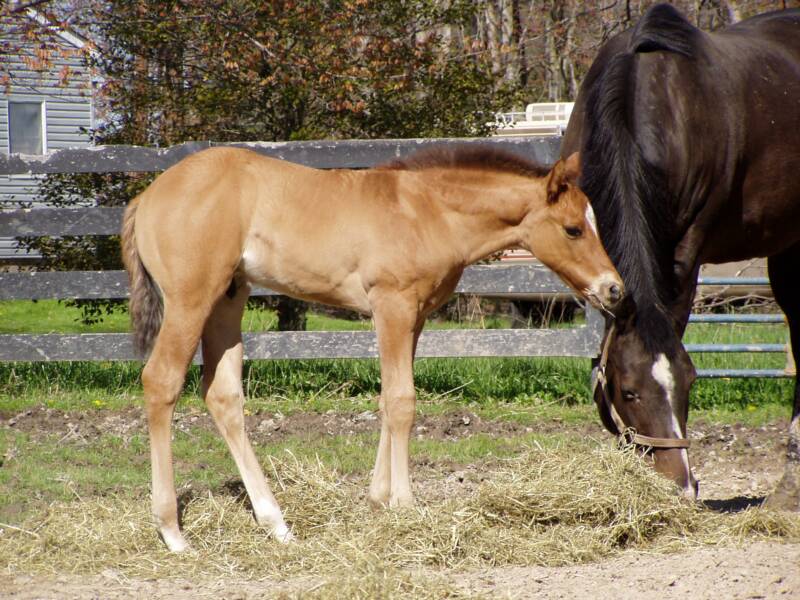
point(572, 167)
point(566, 170)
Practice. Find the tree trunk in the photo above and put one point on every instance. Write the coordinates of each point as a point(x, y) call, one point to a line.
point(494, 36)
point(291, 314)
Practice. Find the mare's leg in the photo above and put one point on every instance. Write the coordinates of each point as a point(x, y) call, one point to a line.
point(786, 288)
point(380, 488)
point(162, 379)
point(222, 390)
point(396, 324)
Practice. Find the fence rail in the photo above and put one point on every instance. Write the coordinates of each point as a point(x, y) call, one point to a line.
point(743, 319)
point(480, 280)
point(342, 154)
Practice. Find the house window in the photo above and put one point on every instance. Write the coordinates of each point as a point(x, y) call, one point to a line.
point(26, 127)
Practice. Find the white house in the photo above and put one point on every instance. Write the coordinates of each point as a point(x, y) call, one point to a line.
point(44, 105)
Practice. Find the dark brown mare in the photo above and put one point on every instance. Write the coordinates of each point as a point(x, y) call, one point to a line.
point(690, 145)
point(390, 242)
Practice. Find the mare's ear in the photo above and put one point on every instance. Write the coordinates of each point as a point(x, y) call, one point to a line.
point(566, 170)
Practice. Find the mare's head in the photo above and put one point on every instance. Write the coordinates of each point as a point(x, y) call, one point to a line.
point(642, 392)
point(561, 232)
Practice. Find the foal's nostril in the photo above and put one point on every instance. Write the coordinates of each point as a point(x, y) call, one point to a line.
point(614, 293)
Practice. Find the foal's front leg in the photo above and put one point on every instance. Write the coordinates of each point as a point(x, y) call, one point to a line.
point(397, 331)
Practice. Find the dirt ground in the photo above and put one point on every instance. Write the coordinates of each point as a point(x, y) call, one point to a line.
point(737, 466)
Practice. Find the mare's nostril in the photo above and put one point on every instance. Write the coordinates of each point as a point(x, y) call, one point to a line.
point(614, 293)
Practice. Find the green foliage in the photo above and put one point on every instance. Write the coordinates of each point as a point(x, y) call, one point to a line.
point(251, 70)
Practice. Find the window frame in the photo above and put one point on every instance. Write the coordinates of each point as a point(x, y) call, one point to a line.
point(43, 112)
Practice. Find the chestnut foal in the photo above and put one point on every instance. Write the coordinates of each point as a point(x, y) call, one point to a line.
point(389, 242)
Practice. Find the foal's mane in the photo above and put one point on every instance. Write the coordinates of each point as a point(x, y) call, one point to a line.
point(630, 195)
point(481, 157)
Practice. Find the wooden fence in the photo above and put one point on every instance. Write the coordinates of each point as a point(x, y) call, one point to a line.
point(480, 280)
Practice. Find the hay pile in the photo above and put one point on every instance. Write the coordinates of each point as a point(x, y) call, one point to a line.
point(546, 507)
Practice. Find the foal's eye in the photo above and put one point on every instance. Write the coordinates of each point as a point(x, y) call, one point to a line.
point(573, 232)
point(630, 395)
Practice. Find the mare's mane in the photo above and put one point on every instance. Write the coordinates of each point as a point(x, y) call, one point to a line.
point(630, 195)
point(480, 157)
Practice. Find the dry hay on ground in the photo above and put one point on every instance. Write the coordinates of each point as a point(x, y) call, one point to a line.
point(546, 507)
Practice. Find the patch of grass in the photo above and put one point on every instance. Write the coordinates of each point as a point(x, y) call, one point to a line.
point(545, 507)
point(479, 380)
point(51, 316)
point(752, 415)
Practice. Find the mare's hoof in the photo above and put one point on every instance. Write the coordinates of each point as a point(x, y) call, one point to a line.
point(787, 494)
point(378, 502)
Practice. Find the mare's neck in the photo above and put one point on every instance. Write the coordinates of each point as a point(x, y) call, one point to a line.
point(485, 210)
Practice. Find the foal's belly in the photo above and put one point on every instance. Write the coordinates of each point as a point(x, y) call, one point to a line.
point(305, 278)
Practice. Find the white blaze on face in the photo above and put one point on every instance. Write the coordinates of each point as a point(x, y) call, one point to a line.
point(662, 373)
point(591, 218)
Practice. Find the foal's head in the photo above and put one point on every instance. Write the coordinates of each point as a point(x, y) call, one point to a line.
point(560, 231)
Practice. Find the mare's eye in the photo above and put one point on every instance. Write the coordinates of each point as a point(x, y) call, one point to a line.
point(573, 232)
point(630, 395)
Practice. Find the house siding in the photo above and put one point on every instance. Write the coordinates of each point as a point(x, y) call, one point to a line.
point(68, 113)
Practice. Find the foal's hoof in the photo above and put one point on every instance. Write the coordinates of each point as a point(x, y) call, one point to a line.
point(174, 541)
point(282, 534)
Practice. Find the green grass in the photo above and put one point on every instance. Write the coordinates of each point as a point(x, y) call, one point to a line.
point(52, 316)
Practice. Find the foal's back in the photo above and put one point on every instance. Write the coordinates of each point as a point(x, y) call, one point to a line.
point(313, 234)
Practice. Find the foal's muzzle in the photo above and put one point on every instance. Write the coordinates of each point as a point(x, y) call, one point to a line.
point(606, 292)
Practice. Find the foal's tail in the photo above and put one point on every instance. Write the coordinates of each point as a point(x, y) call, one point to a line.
point(146, 306)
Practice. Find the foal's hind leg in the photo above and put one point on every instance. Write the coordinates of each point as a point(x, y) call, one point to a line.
point(222, 389)
point(783, 271)
point(162, 379)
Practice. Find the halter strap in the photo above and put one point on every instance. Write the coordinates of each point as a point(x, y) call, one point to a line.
point(627, 433)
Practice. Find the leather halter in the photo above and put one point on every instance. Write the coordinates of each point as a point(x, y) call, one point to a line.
point(629, 434)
